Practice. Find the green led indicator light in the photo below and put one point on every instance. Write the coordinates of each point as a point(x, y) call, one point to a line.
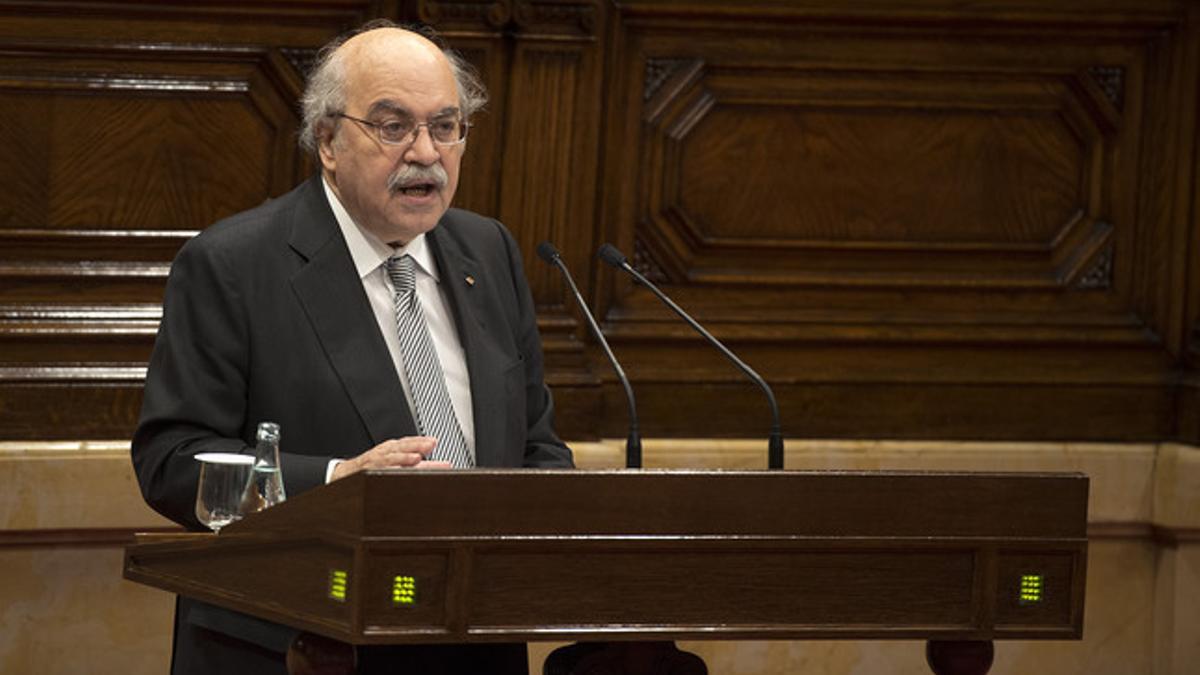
point(337, 584)
point(404, 590)
point(1031, 589)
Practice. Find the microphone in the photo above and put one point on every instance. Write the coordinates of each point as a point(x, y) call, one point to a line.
point(633, 443)
point(612, 256)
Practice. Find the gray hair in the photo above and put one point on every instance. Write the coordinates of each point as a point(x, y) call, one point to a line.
point(325, 92)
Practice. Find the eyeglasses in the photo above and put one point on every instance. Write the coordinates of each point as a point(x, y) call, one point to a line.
point(450, 130)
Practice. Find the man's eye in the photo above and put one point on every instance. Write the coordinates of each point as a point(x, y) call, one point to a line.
point(395, 129)
point(445, 128)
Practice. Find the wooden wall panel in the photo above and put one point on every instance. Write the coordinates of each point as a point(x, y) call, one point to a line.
point(545, 115)
point(1188, 399)
point(916, 219)
point(130, 127)
point(958, 218)
point(141, 139)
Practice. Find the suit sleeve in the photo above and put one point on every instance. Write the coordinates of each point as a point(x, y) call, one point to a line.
point(543, 448)
point(195, 391)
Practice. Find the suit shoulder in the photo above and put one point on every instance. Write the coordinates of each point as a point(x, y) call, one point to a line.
point(269, 221)
point(475, 232)
point(461, 219)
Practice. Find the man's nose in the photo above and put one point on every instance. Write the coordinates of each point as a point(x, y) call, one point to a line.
point(422, 150)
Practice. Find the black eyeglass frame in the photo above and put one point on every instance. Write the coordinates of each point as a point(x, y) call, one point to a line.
point(411, 135)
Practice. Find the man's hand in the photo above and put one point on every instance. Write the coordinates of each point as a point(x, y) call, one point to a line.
point(408, 452)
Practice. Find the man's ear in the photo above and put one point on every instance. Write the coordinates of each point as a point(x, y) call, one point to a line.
point(325, 147)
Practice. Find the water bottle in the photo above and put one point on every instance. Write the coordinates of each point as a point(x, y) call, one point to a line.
point(266, 483)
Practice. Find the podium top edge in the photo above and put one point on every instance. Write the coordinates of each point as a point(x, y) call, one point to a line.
point(687, 502)
point(633, 473)
point(160, 537)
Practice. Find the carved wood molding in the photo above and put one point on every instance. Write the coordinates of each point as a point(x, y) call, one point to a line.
point(103, 270)
point(439, 13)
point(104, 374)
point(1134, 19)
point(312, 11)
point(694, 225)
point(49, 244)
point(519, 18)
point(45, 326)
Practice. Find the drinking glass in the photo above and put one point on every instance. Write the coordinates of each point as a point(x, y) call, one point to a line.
point(224, 477)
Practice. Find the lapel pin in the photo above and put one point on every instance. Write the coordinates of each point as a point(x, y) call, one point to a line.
point(470, 280)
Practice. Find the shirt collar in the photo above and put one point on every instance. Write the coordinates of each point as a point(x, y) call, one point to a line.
point(367, 250)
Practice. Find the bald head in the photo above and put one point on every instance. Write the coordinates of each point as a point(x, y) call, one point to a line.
point(385, 51)
point(395, 41)
point(378, 44)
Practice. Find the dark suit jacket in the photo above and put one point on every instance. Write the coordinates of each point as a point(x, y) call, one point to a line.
point(265, 319)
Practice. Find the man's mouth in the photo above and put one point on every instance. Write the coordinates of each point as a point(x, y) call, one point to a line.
point(416, 189)
point(417, 182)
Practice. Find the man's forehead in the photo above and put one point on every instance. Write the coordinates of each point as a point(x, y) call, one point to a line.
point(389, 106)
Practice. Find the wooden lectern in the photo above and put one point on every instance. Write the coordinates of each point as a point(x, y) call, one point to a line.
point(392, 557)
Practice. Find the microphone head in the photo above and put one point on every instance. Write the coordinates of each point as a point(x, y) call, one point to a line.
point(611, 255)
point(546, 251)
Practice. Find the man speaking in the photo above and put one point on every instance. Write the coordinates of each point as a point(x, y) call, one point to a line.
point(378, 326)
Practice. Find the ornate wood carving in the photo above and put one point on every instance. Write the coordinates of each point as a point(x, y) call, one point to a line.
point(300, 59)
point(569, 18)
point(452, 13)
point(1099, 275)
point(658, 71)
point(644, 262)
point(1112, 82)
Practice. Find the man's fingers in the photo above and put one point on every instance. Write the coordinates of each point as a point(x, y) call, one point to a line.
point(433, 464)
point(410, 451)
point(422, 445)
point(405, 452)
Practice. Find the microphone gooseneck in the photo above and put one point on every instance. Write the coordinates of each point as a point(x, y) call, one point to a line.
point(611, 255)
point(633, 442)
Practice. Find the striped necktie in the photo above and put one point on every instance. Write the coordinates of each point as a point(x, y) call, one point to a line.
point(427, 384)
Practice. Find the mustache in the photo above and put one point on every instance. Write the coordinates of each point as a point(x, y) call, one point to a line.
point(411, 174)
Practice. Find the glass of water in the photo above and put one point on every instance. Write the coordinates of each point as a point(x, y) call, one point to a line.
point(224, 477)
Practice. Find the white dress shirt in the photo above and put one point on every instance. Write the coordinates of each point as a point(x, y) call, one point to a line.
point(370, 257)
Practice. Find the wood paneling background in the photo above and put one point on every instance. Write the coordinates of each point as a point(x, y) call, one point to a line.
point(918, 219)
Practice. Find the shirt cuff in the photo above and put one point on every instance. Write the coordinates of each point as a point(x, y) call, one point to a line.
point(329, 470)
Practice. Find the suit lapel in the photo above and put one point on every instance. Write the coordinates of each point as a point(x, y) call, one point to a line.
point(463, 282)
point(329, 289)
